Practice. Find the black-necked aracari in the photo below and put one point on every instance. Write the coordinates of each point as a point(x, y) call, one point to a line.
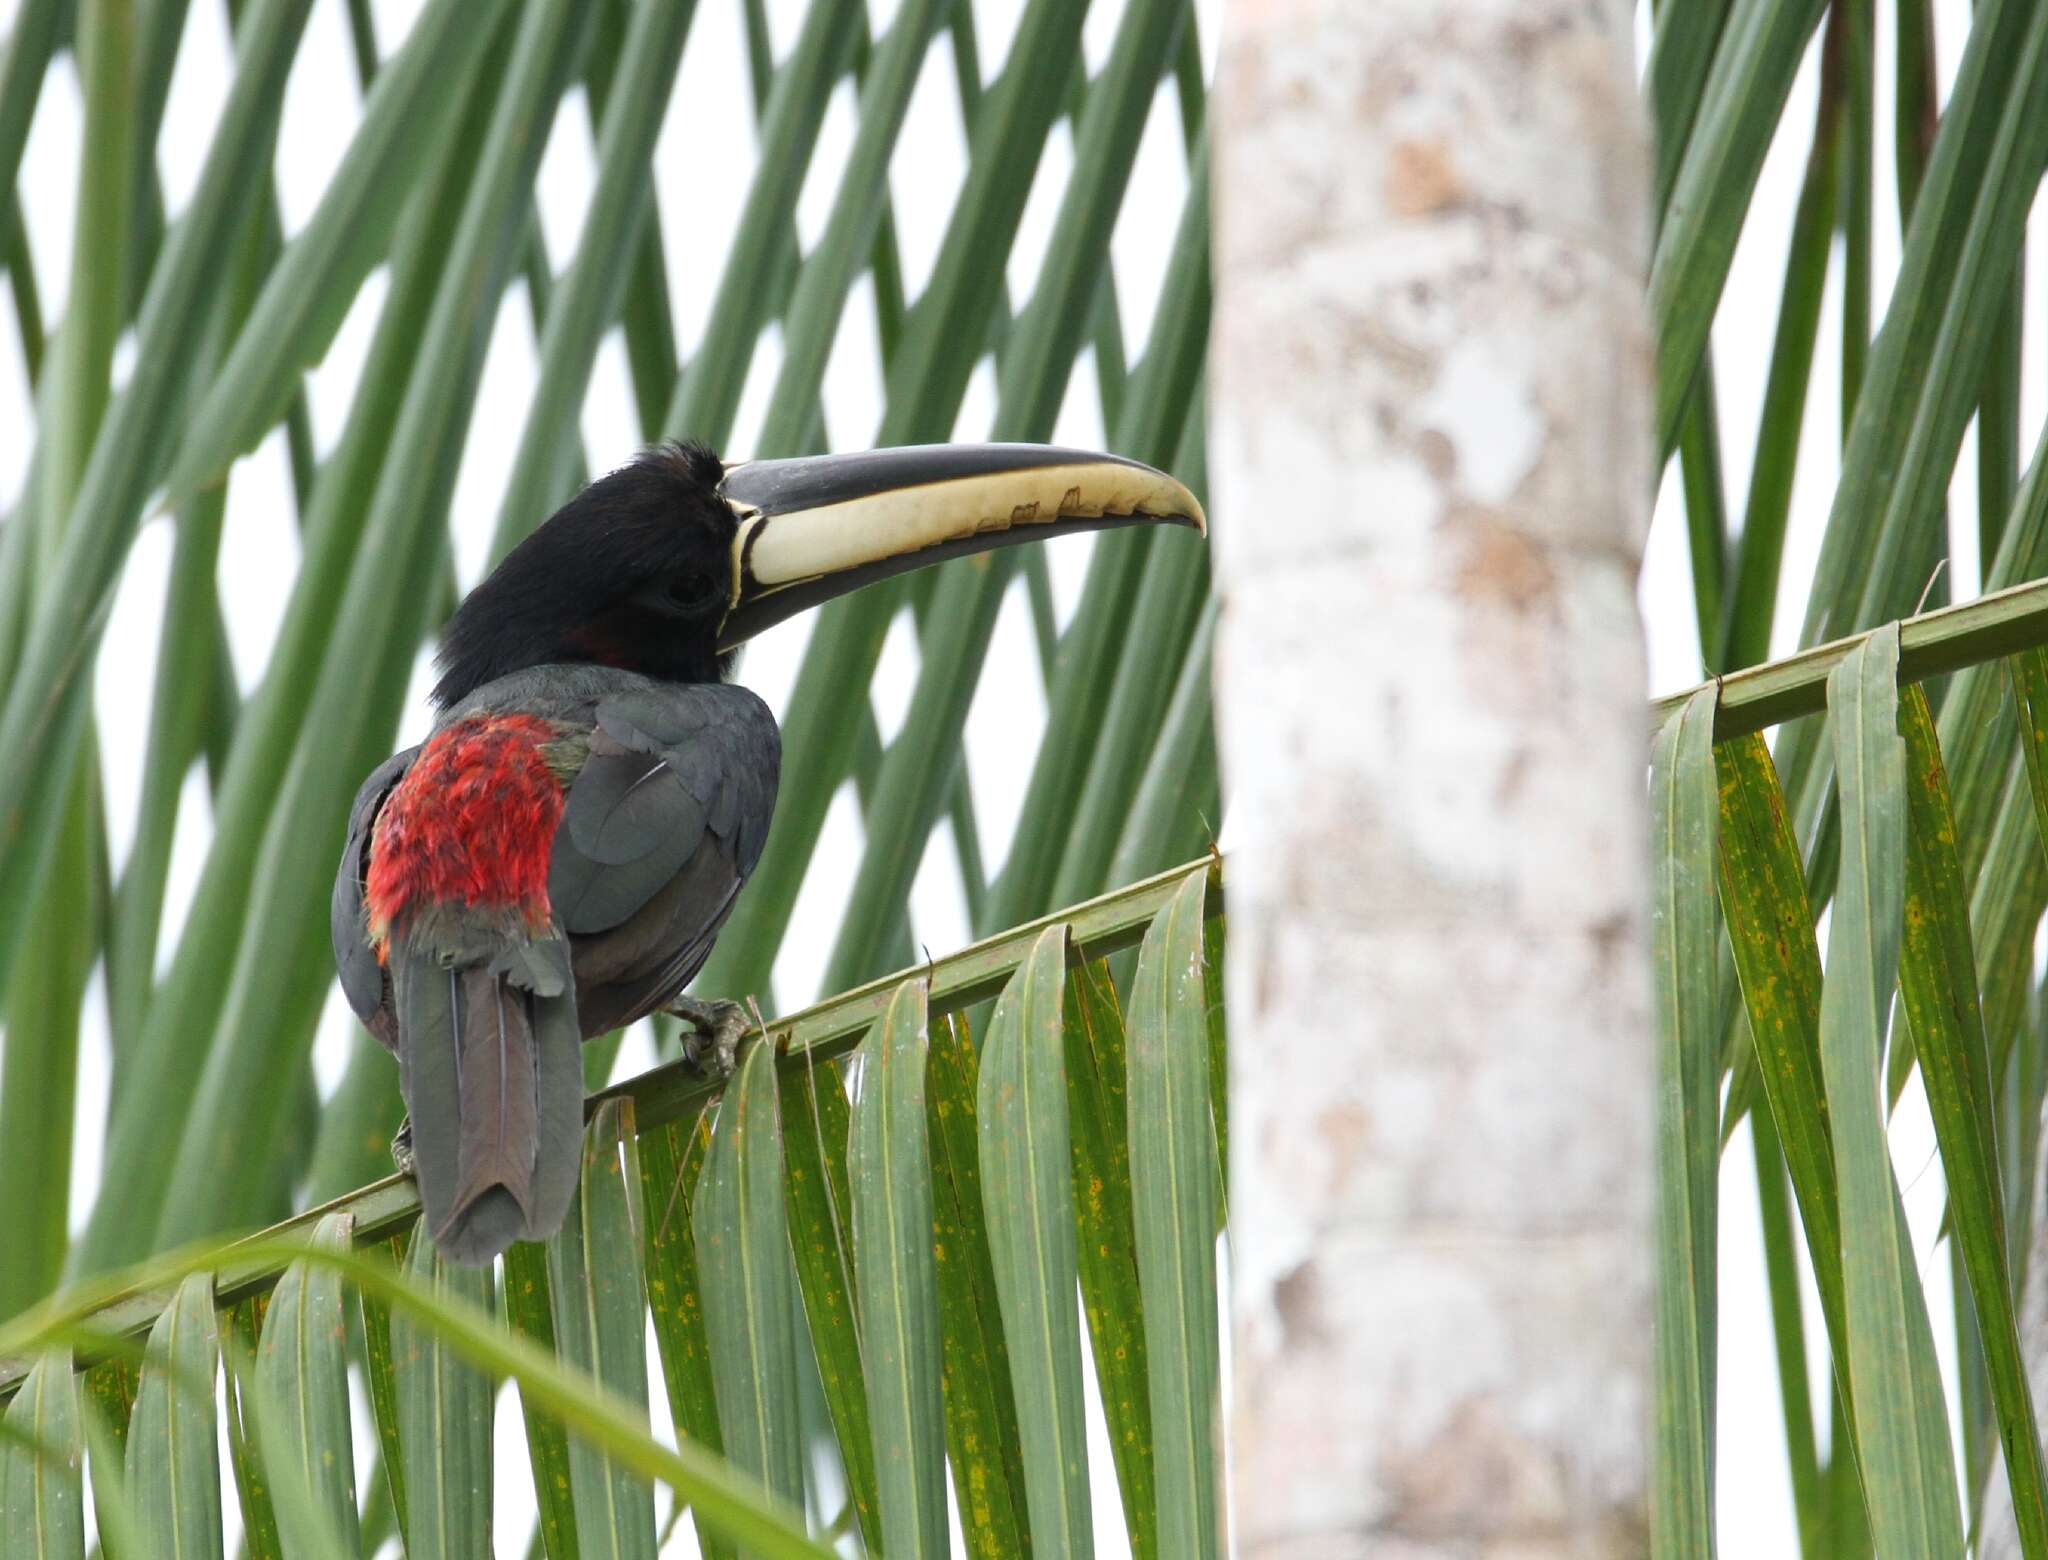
point(557, 857)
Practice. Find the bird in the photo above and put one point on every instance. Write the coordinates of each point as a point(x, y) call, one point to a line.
point(558, 856)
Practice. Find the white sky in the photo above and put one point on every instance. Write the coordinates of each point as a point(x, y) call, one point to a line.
point(710, 125)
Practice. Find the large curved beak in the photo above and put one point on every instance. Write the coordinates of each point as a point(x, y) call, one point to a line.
point(814, 528)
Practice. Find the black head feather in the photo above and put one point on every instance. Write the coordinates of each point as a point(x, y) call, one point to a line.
point(635, 571)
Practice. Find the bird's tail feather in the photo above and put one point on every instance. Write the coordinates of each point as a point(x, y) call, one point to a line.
point(493, 1082)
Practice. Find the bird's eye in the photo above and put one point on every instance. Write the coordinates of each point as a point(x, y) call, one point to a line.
point(693, 590)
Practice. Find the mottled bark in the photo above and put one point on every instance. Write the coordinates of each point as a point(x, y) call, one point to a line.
point(1430, 388)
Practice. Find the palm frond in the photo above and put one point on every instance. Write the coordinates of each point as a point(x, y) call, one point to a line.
point(660, 1162)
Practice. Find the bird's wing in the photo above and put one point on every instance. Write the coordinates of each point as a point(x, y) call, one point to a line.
point(362, 976)
point(662, 825)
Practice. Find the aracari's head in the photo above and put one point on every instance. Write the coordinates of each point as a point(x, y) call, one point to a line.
point(635, 571)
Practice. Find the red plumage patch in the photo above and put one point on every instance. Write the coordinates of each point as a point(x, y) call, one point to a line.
point(472, 823)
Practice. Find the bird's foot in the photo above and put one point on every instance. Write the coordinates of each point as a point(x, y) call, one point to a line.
point(401, 1148)
point(712, 1041)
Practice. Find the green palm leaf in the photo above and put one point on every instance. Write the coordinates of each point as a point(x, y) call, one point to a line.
point(444, 1419)
point(302, 1411)
point(173, 1472)
point(750, 1298)
point(41, 1497)
point(600, 1310)
point(1022, 1116)
point(1909, 1473)
point(1173, 1184)
point(890, 1179)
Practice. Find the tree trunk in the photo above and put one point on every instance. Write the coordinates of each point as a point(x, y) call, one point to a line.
point(1430, 389)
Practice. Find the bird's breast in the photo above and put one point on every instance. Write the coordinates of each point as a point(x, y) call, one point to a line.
point(472, 823)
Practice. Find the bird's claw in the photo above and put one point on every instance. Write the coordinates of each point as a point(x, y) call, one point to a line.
point(712, 1041)
point(401, 1148)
